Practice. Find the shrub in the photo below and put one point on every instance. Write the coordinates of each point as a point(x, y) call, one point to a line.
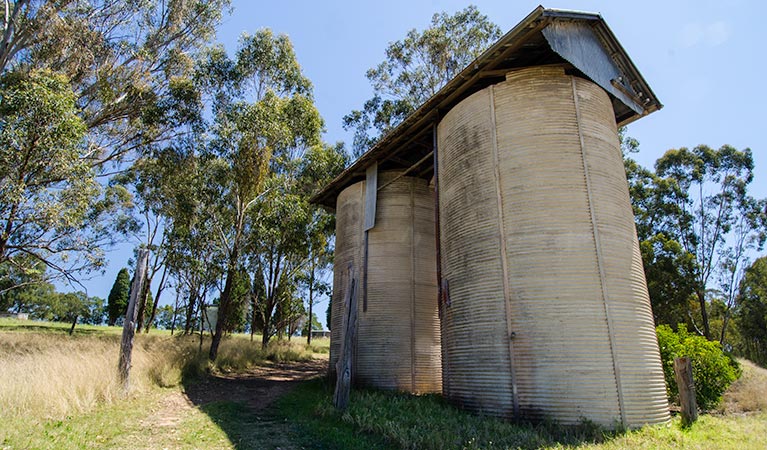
point(712, 369)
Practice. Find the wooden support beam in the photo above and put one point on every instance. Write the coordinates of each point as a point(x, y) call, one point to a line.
point(408, 171)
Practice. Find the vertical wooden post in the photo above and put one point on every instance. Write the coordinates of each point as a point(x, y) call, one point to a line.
point(344, 363)
point(129, 326)
point(686, 384)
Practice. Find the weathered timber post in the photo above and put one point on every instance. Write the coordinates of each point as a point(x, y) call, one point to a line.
point(686, 384)
point(129, 326)
point(344, 364)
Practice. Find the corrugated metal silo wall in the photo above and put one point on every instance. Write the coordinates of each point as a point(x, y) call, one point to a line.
point(350, 211)
point(398, 338)
point(540, 254)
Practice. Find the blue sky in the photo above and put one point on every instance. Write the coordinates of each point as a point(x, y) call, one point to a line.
point(701, 58)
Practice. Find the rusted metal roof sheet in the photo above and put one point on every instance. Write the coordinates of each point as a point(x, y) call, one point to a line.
point(546, 36)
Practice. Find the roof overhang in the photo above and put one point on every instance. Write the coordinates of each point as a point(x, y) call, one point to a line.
point(580, 41)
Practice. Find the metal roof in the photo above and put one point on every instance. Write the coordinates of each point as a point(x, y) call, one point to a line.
point(580, 41)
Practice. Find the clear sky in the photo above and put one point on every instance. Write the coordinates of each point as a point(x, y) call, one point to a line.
point(701, 58)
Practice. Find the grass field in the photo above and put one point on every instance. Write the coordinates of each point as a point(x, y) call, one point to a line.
point(58, 391)
point(45, 372)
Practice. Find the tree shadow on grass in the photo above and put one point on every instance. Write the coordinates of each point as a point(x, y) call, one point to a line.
point(242, 404)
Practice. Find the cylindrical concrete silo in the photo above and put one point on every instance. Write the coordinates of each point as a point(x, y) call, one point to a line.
point(549, 315)
point(398, 338)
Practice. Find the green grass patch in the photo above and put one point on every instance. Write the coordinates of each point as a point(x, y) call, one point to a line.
point(103, 427)
point(378, 419)
point(41, 326)
point(306, 407)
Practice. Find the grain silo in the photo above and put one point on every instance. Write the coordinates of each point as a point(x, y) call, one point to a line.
point(398, 341)
point(542, 299)
point(549, 312)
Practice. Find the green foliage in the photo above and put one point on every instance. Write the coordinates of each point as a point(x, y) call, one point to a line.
point(263, 118)
point(21, 283)
point(83, 84)
point(126, 60)
point(415, 68)
point(670, 279)
point(235, 322)
point(47, 190)
point(117, 302)
point(713, 370)
point(751, 317)
point(697, 226)
point(54, 306)
point(717, 220)
point(164, 319)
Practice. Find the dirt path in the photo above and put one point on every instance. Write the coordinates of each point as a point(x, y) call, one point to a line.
point(168, 423)
point(259, 387)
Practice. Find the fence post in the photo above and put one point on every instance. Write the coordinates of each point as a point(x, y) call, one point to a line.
point(345, 359)
point(686, 384)
point(129, 326)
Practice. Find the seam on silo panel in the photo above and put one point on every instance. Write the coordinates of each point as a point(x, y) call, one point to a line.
point(441, 309)
point(504, 256)
point(600, 261)
point(412, 287)
point(361, 280)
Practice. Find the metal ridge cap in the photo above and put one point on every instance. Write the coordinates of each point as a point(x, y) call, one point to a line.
point(571, 13)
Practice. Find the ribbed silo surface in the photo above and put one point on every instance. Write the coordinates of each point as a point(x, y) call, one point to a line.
point(350, 215)
point(398, 340)
point(546, 287)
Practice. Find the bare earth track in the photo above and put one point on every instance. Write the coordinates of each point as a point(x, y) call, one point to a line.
point(256, 389)
point(259, 387)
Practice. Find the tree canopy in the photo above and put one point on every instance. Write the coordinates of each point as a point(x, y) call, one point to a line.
point(415, 68)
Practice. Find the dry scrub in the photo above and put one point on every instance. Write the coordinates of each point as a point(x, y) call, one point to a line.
point(52, 375)
point(749, 393)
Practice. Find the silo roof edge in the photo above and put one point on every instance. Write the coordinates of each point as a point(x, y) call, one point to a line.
point(471, 76)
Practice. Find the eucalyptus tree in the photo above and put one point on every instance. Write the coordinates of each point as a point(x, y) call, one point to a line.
point(86, 83)
point(128, 62)
point(751, 317)
point(278, 252)
point(717, 221)
point(262, 112)
point(669, 268)
point(160, 184)
point(317, 168)
point(415, 68)
point(192, 254)
point(51, 205)
point(291, 245)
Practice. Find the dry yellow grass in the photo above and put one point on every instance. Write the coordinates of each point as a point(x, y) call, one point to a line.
point(53, 375)
point(749, 393)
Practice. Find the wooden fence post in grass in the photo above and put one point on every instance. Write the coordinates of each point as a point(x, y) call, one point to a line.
point(686, 384)
point(344, 363)
point(129, 326)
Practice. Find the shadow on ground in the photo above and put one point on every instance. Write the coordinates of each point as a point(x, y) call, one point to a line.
point(242, 404)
